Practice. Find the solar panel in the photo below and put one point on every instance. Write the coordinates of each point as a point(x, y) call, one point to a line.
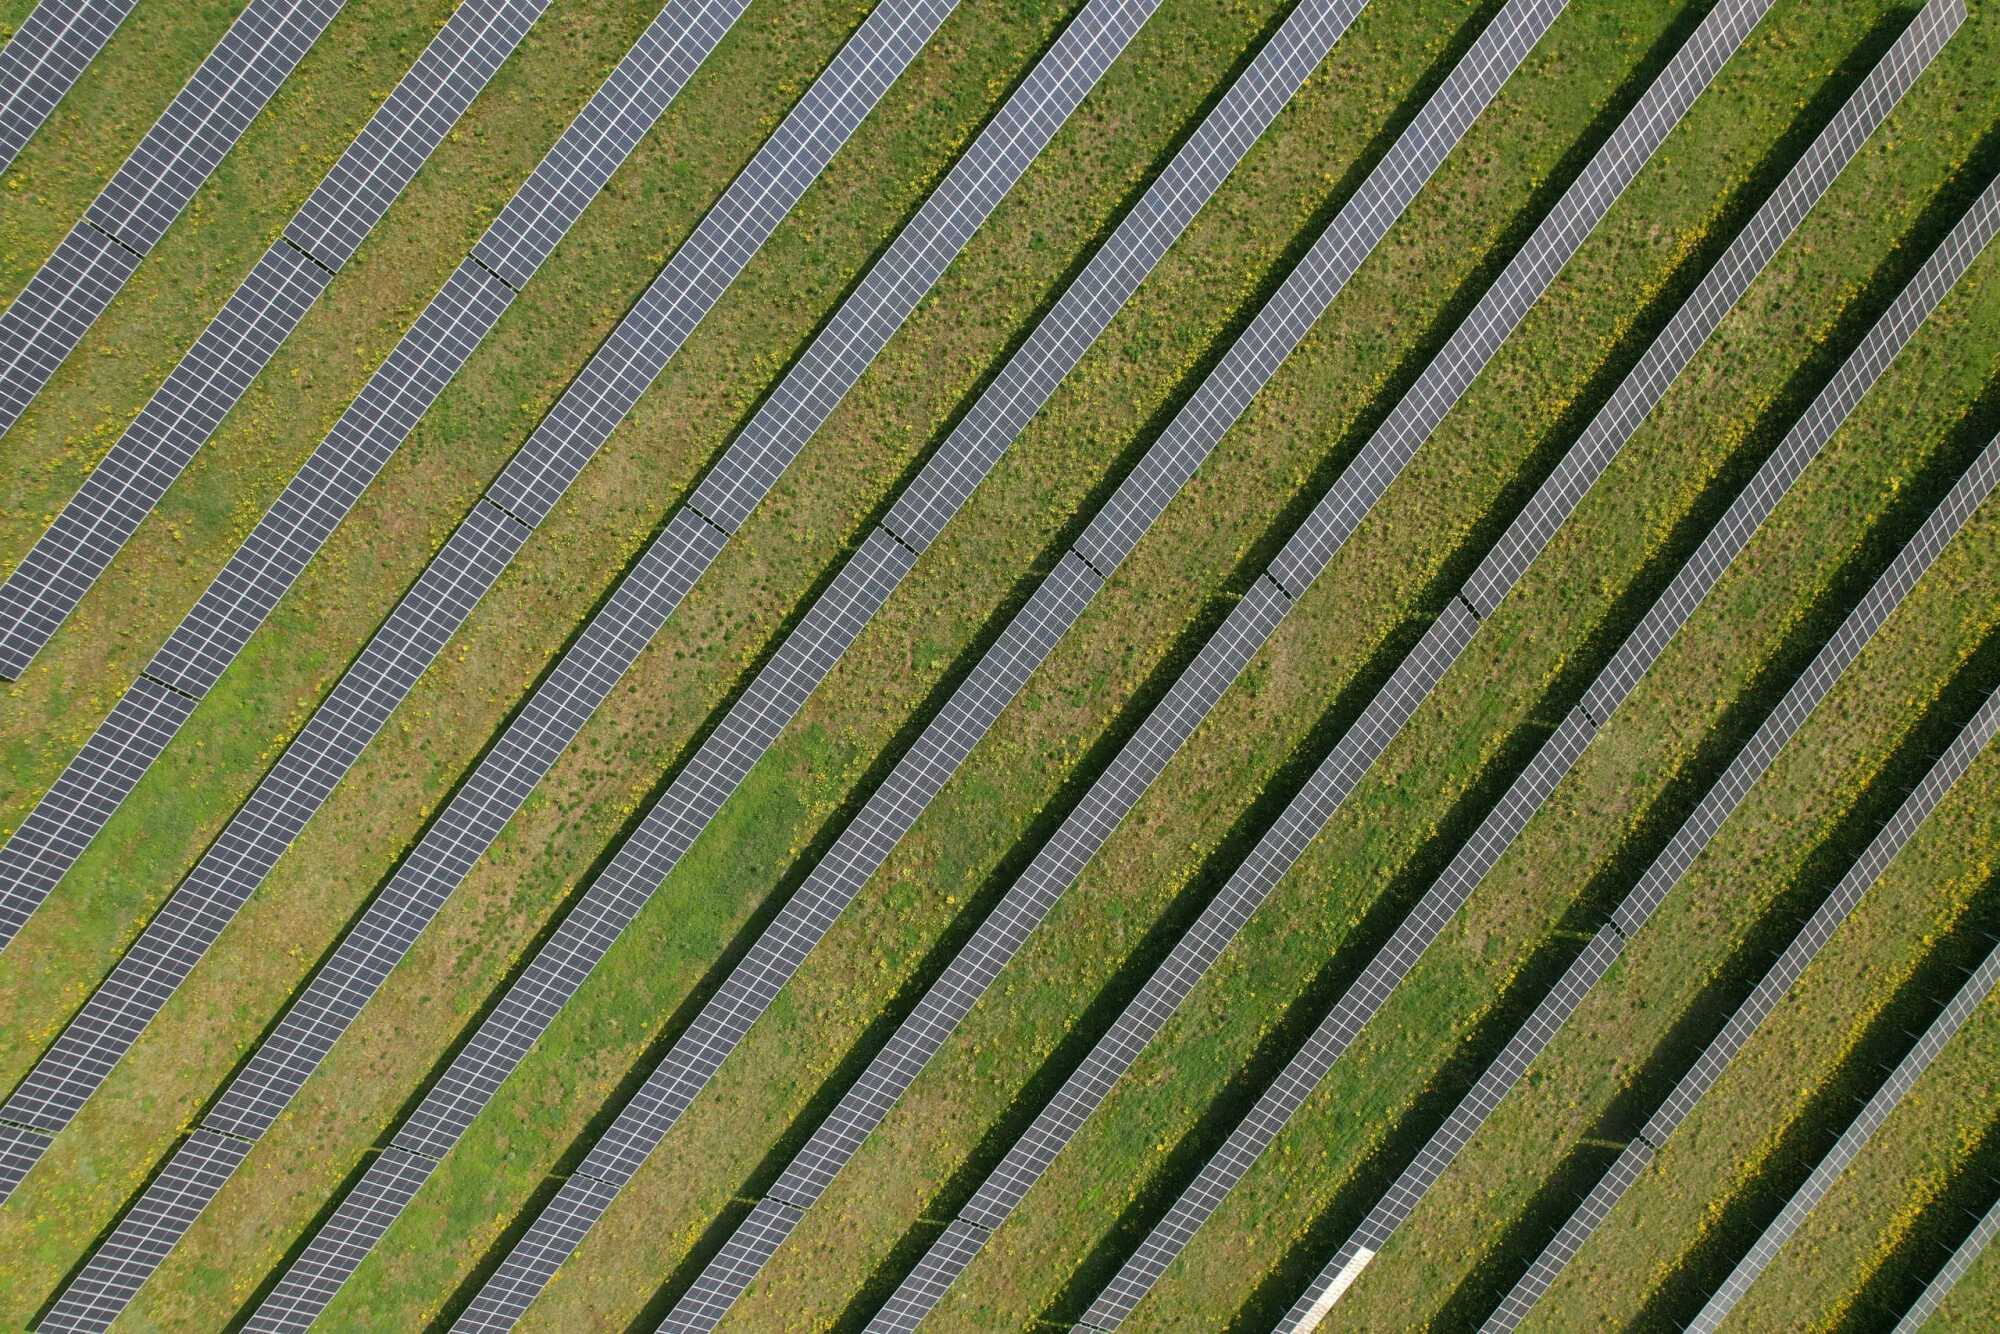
point(407, 128)
point(1747, 1017)
point(364, 1214)
point(21, 1147)
point(1953, 1269)
point(46, 54)
point(1687, 843)
point(57, 829)
point(150, 453)
point(1435, 392)
point(423, 621)
point(1143, 495)
point(1587, 458)
point(1851, 1142)
point(163, 1214)
point(49, 317)
point(670, 828)
point(149, 190)
point(372, 428)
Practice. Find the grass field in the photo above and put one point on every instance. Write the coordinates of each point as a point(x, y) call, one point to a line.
point(1721, 1177)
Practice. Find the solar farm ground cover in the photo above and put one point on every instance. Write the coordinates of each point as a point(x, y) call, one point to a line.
point(1878, 477)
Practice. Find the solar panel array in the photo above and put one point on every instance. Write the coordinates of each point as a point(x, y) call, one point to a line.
point(1746, 1019)
point(1851, 1142)
point(469, 564)
point(639, 606)
point(321, 237)
point(809, 652)
point(371, 428)
point(1437, 389)
point(1586, 460)
point(46, 54)
point(188, 141)
point(1941, 1284)
point(1110, 535)
point(367, 433)
point(1687, 843)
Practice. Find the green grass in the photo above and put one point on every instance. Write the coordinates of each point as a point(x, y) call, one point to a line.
point(1183, 837)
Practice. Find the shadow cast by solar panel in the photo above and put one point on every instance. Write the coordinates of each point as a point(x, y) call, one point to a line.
point(1010, 868)
point(1292, 773)
point(1577, 921)
point(1178, 1165)
point(1756, 1200)
point(1657, 1073)
point(1901, 1275)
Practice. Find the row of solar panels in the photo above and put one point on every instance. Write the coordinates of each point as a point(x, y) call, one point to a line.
point(1107, 540)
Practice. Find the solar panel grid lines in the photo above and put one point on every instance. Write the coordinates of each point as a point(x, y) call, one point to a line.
point(21, 1147)
point(155, 965)
point(122, 489)
point(367, 432)
point(44, 57)
point(618, 115)
point(1115, 271)
point(1687, 843)
point(671, 827)
point(389, 1183)
point(746, 1252)
point(148, 191)
point(1717, 292)
point(104, 1286)
point(1961, 1259)
point(1852, 1140)
point(52, 313)
point(1586, 459)
point(256, 54)
point(760, 197)
point(263, 311)
point(1748, 1016)
point(1437, 388)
